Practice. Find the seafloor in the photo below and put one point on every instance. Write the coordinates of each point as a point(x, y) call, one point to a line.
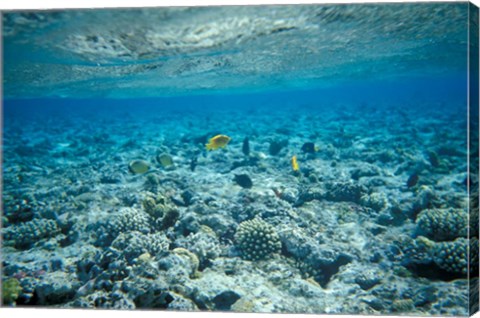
point(374, 221)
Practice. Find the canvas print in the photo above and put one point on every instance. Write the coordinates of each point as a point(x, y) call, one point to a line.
point(318, 158)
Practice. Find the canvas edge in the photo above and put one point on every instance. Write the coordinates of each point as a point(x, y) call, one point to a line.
point(473, 153)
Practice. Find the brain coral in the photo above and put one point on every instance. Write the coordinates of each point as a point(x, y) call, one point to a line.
point(442, 224)
point(257, 239)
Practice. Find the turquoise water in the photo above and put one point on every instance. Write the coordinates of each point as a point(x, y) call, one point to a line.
point(157, 52)
point(112, 200)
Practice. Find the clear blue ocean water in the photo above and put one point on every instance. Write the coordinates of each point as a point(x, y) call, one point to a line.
point(370, 99)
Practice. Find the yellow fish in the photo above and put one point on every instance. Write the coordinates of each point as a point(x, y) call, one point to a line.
point(219, 141)
point(294, 163)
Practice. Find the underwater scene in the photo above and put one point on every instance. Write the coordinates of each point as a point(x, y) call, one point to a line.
point(274, 159)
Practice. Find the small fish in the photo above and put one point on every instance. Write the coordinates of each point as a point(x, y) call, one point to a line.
point(412, 181)
point(165, 160)
point(433, 158)
point(138, 166)
point(277, 146)
point(243, 180)
point(219, 141)
point(308, 147)
point(295, 166)
point(193, 163)
point(246, 147)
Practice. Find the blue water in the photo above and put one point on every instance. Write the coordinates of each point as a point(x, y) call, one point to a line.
point(371, 99)
point(445, 95)
point(405, 93)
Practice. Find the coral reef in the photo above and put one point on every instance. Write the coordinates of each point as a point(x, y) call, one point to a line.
point(474, 257)
point(345, 191)
point(452, 256)
point(125, 220)
point(26, 234)
point(204, 244)
point(442, 224)
point(161, 210)
point(133, 244)
point(376, 201)
point(57, 288)
point(257, 239)
point(10, 291)
point(416, 251)
point(235, 229)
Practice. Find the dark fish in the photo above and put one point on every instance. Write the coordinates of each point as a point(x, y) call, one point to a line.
point(308, 147)
point(276, 147)
point(187, 197)
point(433, 159)
point(243, 180)
point(193, 163)
point(412, 181)
point(246, 147)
